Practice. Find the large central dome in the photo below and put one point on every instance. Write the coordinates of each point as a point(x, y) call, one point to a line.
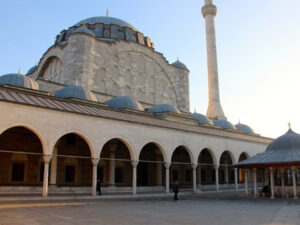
point(107, 20)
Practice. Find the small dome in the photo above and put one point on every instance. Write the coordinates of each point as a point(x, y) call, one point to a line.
point(179, 64)
point(31, 70)
point(107, 20)
point(18, 80)
point(124, 102)
point(244, 128)
point(83, 30)
point(201, 118)
point(163, 108)
point(76, 91)
point(223, 124)
point(290, 141)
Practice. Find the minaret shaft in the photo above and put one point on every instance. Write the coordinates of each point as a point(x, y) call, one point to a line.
point(214, 110)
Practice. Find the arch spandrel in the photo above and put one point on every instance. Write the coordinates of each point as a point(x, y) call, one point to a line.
point(190, 152)
point(211, 152)
point(231, 155)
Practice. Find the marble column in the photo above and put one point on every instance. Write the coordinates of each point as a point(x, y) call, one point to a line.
point(94, 181)
point(199, 176)
point(294, 182)
point(255, 182)
point(217, 177)
point(194, 166)
point(246, 181)
point(272, 182)
point(53, 167)
point(214, 111)
point(46, 159)
point(236, 178)
point(134, 165)
point(167, 166)
point(226, 173)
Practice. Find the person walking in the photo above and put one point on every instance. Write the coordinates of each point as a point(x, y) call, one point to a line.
point(175, 190)
point(99, 186)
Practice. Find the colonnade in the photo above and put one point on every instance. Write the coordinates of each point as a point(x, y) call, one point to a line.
point(268, 179)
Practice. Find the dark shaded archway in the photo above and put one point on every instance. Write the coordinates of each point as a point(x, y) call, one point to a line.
point(72, 157)
point(114, 167)
point(181, 168)
point(21, 161)
point(150, 170)
point(226, 170)
point(206, 170)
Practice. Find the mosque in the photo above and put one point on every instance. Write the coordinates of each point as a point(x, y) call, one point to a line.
point(102, 103)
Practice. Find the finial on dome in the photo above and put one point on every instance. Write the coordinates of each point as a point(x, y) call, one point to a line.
point(195, 111)
point(19, 71)
point(76, 82)
point(177, 58)
point(122, 92)
point(239, 121)
point(83, 24)
point(107, 12)
point(289, 124)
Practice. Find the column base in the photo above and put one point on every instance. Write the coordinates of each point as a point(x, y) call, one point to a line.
point(296, 198)
point(272, 197)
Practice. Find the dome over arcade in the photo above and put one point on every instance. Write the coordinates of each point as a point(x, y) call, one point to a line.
point(179, 64)
point(201, 118)
point(223, 124)
point(75, 91)
point(124, 102)
point(82, 30)
point(18, 80)
point(244, 128)
point(107, 20)
point(160, 108)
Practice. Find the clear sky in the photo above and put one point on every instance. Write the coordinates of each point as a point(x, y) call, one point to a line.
point(258, 45)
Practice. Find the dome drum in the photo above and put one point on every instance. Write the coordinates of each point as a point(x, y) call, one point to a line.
point(106, 29)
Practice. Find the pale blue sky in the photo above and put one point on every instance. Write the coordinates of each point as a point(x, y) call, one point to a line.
point(258, 45)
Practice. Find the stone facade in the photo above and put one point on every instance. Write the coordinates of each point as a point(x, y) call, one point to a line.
point(121, 68)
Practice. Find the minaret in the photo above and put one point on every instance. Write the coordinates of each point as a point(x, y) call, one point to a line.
point(214, 110)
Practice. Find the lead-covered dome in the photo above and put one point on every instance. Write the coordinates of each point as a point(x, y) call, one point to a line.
point(179, 64)
point(76, 91)
point(107, 20)
point(223, 124)
point(201, 118)
point(124, 102)
point(244, 128)
point(18, 80)
point(161, 108)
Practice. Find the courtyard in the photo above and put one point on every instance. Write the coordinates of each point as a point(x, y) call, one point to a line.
point(209, 208)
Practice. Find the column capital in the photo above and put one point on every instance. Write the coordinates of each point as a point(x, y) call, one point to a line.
point(216, 167)
point(134, 163)
point(194, 166)
point(254, 169)
point(293, 168)
point(167, 165)
point(47, 158)
point(95, 161)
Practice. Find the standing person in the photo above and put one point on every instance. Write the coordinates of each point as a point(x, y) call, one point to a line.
point(99, 186)
point(175, 190)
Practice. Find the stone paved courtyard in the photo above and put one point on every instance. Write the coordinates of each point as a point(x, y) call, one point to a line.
point(209, 209)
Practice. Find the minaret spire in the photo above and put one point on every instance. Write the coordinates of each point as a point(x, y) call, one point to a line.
point(107, 12)
point(214, 110)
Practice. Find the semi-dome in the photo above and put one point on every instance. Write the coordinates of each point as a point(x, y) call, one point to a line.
point(82, 30)
point(201, 118)
point(179, 64)
point(31, 70)
point(107, 20)
point(76, 91)
point(124, 102)
point(160, 108)
point(18, 80)
point(223, 124)
point(244, 128)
